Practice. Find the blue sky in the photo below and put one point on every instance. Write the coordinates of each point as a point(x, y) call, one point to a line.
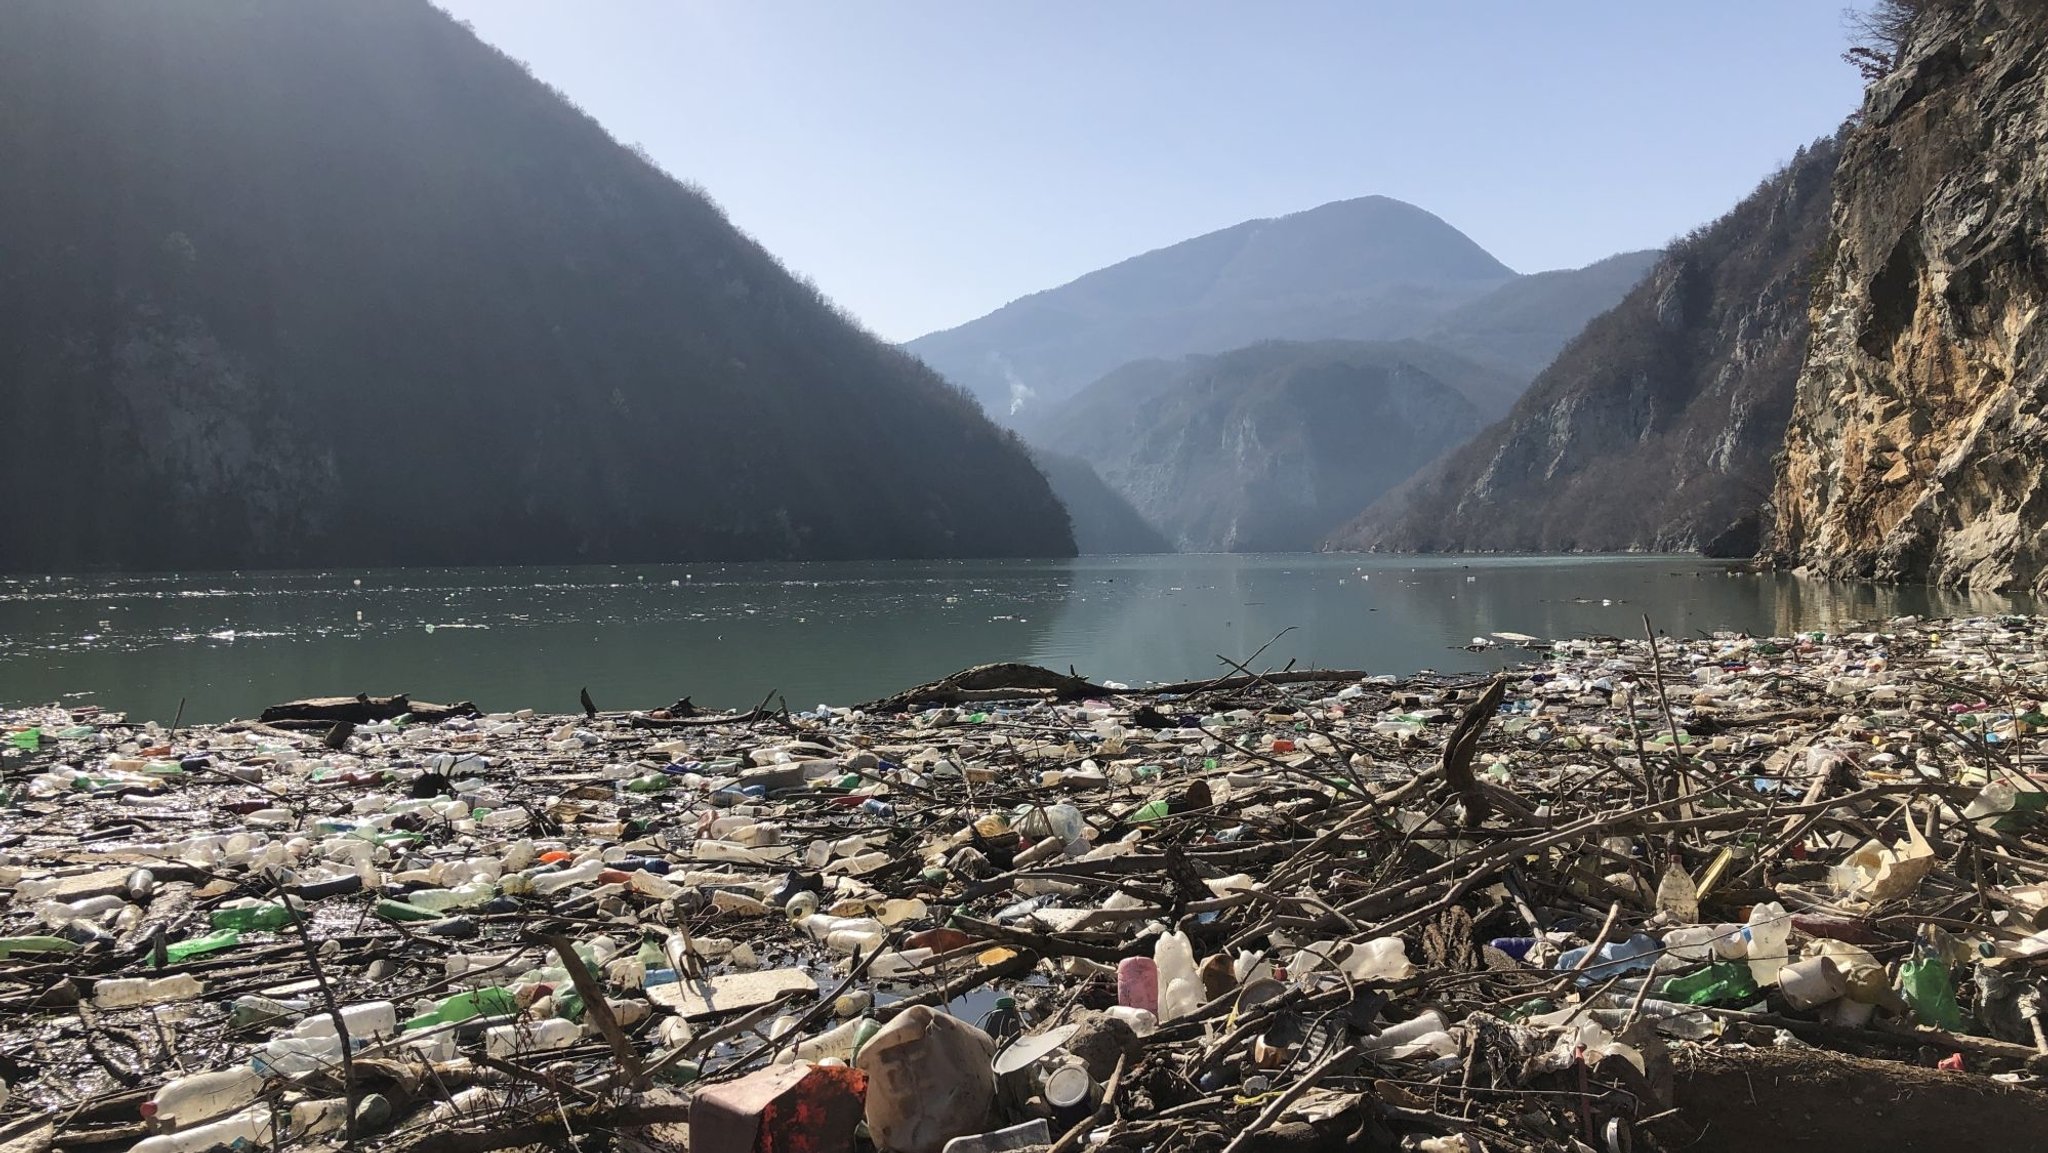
point(926, 161)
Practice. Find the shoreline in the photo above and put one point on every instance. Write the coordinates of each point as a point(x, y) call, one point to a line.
point(1023, 832)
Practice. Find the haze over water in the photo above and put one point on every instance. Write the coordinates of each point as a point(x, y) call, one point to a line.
point(726, 635)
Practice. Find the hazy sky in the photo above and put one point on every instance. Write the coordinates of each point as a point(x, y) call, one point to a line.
point(925, 161)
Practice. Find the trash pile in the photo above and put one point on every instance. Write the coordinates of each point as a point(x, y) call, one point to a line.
point(1636, 894)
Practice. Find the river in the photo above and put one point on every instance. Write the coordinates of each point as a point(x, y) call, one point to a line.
point(227, 644)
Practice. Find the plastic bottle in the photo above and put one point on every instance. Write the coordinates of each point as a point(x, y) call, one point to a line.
point(200, 946)
point(187, 1101)
point(249, 915)
point(9, 946)
point(251, 1009)
point(1427, 1033)
point(1137, 984)
point(839, 1041)
point(1769, 928)
point(1720, 983)
point(492, 1000)
point(1028, 1135)
point(368, 1019)
point(1695, 943)
point(1180, 983)
point(251, 1127)
point(291, 1056)
point(929, 1081)
point(531, 1037)
point(567, 878)
point(468, 895)
point(127, 992)
point(1635, 955)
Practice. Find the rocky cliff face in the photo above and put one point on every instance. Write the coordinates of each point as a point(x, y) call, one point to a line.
point(1655, 428)
point(1916, 445)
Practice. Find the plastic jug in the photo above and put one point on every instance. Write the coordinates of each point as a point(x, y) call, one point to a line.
point(929, 1081)
point(187, 1101)
point(1180, 983)
point(1770, 926)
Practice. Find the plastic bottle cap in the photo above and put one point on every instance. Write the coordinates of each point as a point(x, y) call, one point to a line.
point(1067, 1087)
point(1006, 1003)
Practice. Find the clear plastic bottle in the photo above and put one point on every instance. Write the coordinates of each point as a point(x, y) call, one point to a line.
point(187, 1101)
point(251, 1127)
point(365, 1020)
point(531, 1036)
point(128, 992)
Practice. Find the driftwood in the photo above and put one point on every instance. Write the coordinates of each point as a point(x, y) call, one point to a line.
point(1009, 681)
point(323, 713)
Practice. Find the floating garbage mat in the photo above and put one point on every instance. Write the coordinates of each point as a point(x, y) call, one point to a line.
point(1669, 893)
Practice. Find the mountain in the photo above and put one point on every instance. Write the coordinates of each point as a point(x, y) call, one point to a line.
point(1368, 269)
point(288, 284)
point(1521, 326)
point(1915, 450)
point(1104, 522)
point(1655, 428)
point(1267, 448)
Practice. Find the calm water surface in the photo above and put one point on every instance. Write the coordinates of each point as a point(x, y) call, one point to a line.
point(726, 635)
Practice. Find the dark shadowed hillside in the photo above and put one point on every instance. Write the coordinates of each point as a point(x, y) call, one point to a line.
point(1656, 427)
point(1268, 448)
point(293, 284)
point(1104, 522)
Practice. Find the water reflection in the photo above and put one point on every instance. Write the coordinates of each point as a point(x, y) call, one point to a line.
point(726, 635)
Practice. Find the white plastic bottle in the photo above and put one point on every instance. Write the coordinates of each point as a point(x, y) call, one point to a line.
point(365, 1020)
point(247, 1128)
point(128, 992)
point(531, 1037)
point(1180, 983)
point(187, 1101)
point(568, 878)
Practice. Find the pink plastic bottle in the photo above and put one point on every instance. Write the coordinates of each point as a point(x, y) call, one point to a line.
point(1137, 983)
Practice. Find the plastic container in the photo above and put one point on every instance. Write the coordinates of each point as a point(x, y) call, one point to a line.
point(1812, 983)
point(491, 1001)
point(365, 1020)
point(929, 1081)
point(128, 992)
point(251, 1127)
point(187, 1101)
point(1764, 939)
point(531, 1037)
point(1030, 1134)
point(1180, 983)
point(1137, 984)
point(250, 915)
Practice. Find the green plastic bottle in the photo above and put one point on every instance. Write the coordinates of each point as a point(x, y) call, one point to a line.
point(1151, 811)
point(401, 911)
point(9, 946)
point(651, 783)
point(251, 915)
point(1924, 983)
point(1721, 982)
point(30, 739)
point(490, 1001)
point(200, 946)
